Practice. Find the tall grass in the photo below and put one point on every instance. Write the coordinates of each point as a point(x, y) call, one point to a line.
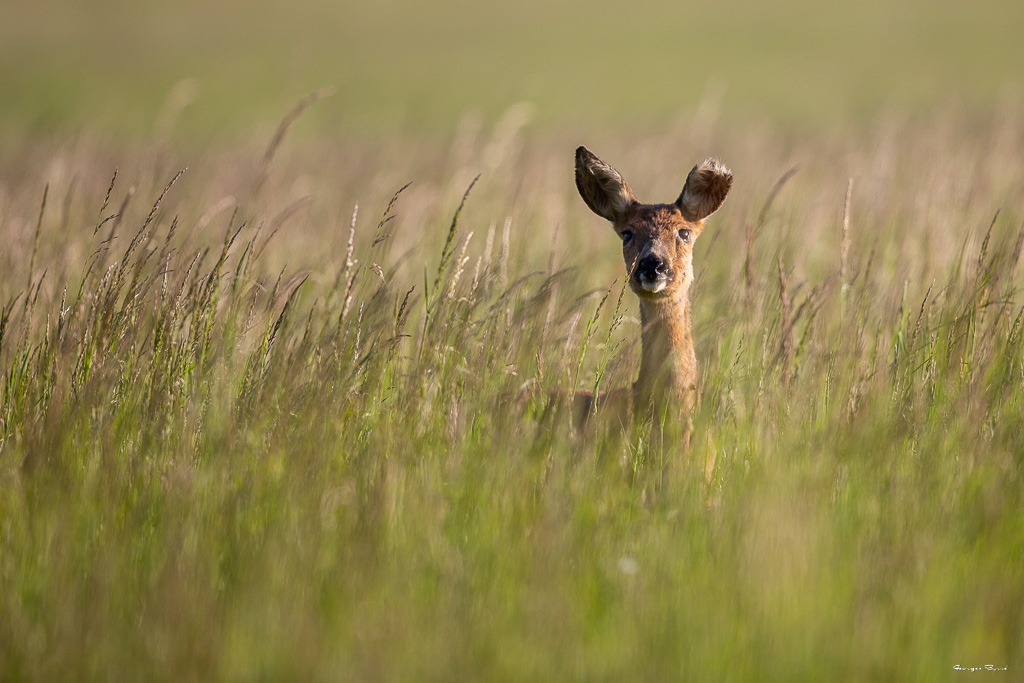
point(281, 438)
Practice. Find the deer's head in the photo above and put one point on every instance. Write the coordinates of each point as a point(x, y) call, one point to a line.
point(657, 239)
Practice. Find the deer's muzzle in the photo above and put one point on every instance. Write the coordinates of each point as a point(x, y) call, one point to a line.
point(653, 274)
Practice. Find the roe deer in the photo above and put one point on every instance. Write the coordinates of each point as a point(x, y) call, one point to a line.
point(657, 245)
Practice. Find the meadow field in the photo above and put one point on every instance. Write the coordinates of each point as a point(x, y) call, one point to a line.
point(275, 371)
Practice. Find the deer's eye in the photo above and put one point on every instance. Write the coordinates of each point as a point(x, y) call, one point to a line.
point(626, 236)
point(684, 235)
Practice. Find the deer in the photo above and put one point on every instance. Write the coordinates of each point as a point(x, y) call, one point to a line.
point(657, 247)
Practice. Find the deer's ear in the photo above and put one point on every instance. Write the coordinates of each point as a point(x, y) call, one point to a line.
point(601, 186)
point(705, 190)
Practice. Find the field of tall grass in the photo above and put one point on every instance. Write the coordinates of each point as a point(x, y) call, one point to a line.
point(283, 415)
point(276, 404)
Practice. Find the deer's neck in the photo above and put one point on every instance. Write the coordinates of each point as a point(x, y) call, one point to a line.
point(668, 365)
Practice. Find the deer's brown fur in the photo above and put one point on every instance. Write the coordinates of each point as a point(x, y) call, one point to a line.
point(657, 247)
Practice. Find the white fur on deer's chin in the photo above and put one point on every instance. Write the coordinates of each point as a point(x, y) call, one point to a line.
point(654, 286)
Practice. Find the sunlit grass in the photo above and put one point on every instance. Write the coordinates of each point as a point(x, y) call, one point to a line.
point(246, 432)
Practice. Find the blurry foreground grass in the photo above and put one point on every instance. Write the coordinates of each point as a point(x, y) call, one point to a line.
point(239, 440)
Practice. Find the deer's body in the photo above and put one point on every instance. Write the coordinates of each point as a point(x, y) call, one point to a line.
point(657, 246)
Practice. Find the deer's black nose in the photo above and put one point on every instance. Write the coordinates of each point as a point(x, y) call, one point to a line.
point(651, 268)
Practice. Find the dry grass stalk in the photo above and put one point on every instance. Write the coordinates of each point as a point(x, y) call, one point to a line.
point(844, 249)
point(786, 325)
point(275, 142)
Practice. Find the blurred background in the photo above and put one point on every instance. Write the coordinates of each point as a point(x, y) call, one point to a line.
point(229, 68)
